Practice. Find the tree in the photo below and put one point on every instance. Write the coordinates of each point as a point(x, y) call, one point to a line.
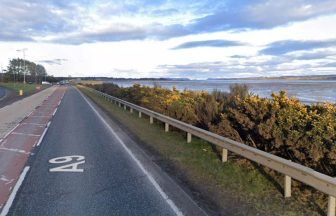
point(15, 71)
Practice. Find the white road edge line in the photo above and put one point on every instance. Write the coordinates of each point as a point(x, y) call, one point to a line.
point(55, 111)
point(47, 127)
point(176, 210)
point(9, 202)
point(9, 132)
point(31, 112)
point(43, 134)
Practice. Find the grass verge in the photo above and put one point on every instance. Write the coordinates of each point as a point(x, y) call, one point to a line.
point(231, 188)
point(16, 87)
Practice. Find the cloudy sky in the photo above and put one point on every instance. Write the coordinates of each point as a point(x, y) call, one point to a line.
point(172, 38)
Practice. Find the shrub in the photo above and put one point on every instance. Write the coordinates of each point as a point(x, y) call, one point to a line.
point(280, 125)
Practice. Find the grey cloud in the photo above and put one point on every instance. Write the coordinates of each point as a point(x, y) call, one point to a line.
point(272, 67)
point(122, 32)
point(314, 55)
point(208, 43)
point(332, 64)
point(37, 18)
point(14, 38)
point(53, 61)
point(283, 47)
point(32, 18)
point(206, 70)
point(258, 14)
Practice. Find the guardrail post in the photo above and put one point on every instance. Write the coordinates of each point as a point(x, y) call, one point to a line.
point(166, 127)
point(139, 114)
point(188, 137)
point(151, 120)
point(287, 186)
point(224, 155)
point(331, 206)
point(119, 104)
point(125, 107)
point(131, 110)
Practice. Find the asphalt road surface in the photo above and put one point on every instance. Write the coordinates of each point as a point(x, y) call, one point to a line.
point(103, 174)
point(2, 92)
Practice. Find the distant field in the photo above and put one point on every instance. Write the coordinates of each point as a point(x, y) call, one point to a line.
point(91, 82)
point(27, 88)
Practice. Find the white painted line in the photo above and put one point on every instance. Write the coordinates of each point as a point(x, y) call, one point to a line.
point(43, 134)
point(30, 113)
point(55, 111)
point(3, 178)
point(149, 176)
point(15, 150)
point(9, 182)
point(24, 134)
point(11, 131)
point(9, 202)
point(46, 129)
point(24, 123)
point(46, 105)
point(40, 116)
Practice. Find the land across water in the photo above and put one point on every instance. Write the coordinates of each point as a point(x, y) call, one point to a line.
point(306, 90)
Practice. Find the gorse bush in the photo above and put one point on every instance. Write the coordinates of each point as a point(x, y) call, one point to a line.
point(280, 125)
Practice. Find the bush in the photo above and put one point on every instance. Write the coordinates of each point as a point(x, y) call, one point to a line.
point(280, 125)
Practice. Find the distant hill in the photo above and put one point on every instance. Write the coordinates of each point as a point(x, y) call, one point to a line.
point(310, 77)
point(142, 79)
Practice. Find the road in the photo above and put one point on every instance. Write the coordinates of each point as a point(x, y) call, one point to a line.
point(106, 175)
point(2, 92)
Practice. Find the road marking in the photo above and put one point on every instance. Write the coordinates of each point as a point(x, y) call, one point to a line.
point(72, 167)
point(170, 202)
point(24, 134)
point(55, 111)
point(9, 202)
point(15, 150)
point(42, 125)
point(31, 112)
point(43, 134)
point(11, 131)
point(49, 106)
point(40, 116)
point(3, 178)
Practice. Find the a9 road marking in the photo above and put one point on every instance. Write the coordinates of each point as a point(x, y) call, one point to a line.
point(70, 167)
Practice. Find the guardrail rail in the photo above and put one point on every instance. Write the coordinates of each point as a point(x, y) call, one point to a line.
point(289, 169)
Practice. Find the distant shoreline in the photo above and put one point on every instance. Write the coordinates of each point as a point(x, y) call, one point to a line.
point(311, 77)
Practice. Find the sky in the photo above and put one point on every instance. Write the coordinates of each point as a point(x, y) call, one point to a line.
point(172, 38)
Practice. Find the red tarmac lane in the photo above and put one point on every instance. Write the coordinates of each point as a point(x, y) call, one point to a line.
point(17, 145)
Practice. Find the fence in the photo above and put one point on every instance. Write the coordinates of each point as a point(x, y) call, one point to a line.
point(319, 181)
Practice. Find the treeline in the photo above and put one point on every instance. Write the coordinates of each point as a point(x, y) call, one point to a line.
point(280, 125)
point(34, 73)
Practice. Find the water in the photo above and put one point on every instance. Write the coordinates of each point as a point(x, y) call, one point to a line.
point(307, 91)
